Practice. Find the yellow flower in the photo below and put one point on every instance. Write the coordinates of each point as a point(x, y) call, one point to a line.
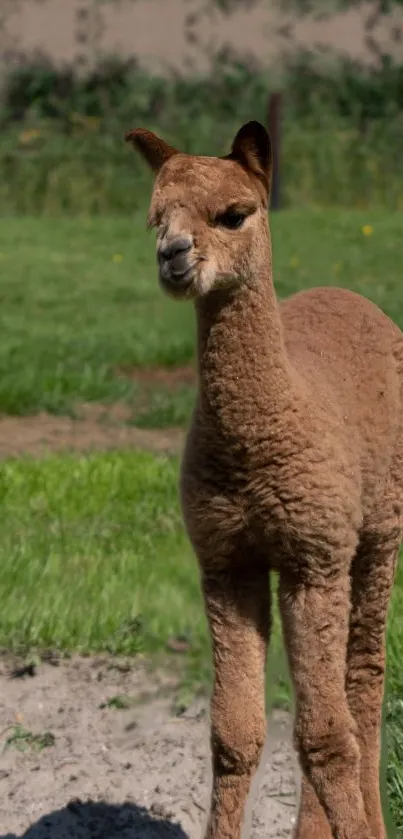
point(117, 257)
point(28, 135)
point(294, 262)
point(367, 230)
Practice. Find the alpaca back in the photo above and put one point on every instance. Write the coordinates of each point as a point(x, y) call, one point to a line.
point(350, 356)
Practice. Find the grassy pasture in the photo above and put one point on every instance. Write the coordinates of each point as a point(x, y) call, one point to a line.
point(93, 553)
point(80, 300)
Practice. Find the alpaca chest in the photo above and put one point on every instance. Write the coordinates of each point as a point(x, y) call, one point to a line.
point(281, 510)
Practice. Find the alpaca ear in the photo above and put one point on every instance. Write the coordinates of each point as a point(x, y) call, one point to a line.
point(252, 149)
point(154, 150)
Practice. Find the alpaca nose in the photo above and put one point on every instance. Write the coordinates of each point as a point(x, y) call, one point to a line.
point(172, 255)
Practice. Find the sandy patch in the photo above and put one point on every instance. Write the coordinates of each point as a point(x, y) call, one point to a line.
point(97, 428)
point(139, 772)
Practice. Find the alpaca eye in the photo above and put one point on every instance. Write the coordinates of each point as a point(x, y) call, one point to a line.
point(231, 219)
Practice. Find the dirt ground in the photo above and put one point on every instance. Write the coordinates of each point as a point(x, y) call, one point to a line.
point(97, 427)
point(79, 762)
point(134, 772)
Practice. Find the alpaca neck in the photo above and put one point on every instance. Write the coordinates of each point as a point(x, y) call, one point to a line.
point(244, 373)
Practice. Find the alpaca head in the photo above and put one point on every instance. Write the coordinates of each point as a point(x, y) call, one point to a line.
point(210, 213)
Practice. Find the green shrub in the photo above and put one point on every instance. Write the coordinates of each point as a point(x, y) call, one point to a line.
point(62, 135)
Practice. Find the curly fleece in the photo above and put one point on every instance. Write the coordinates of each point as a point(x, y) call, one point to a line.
point(293, 464)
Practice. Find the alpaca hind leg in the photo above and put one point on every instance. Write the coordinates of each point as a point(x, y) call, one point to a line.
point(238, 610)
point(315, 621)
point(372, 577)
point(312, 822)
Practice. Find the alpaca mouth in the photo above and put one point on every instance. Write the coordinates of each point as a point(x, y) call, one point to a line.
point(177, 283)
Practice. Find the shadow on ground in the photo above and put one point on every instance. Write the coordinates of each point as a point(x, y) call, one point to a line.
point(97, 820)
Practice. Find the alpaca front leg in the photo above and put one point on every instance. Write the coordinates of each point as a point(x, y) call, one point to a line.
point(315, 620)
point(238, 609)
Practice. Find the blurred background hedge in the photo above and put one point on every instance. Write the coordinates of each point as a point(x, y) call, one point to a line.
point(62, 149)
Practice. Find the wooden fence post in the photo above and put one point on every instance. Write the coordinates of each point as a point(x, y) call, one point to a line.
point(274, 118)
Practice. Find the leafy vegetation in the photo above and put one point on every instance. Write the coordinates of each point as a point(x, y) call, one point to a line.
point(62, 145)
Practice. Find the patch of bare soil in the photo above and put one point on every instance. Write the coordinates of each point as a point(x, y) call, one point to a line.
point(97, 428)
point(172, 377)
point(132, 772)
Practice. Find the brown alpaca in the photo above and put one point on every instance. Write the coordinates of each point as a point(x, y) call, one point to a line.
point(293, 464)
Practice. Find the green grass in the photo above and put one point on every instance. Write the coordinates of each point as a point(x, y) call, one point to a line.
point(80, 299)
point(72, 314)
point(24, 740)
point(394, 758)
point(165, 408)
point(62, 147)
point(51, 167)
point(93, 554)
point(121, 702)
point(94, 557)
point(393, 724)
